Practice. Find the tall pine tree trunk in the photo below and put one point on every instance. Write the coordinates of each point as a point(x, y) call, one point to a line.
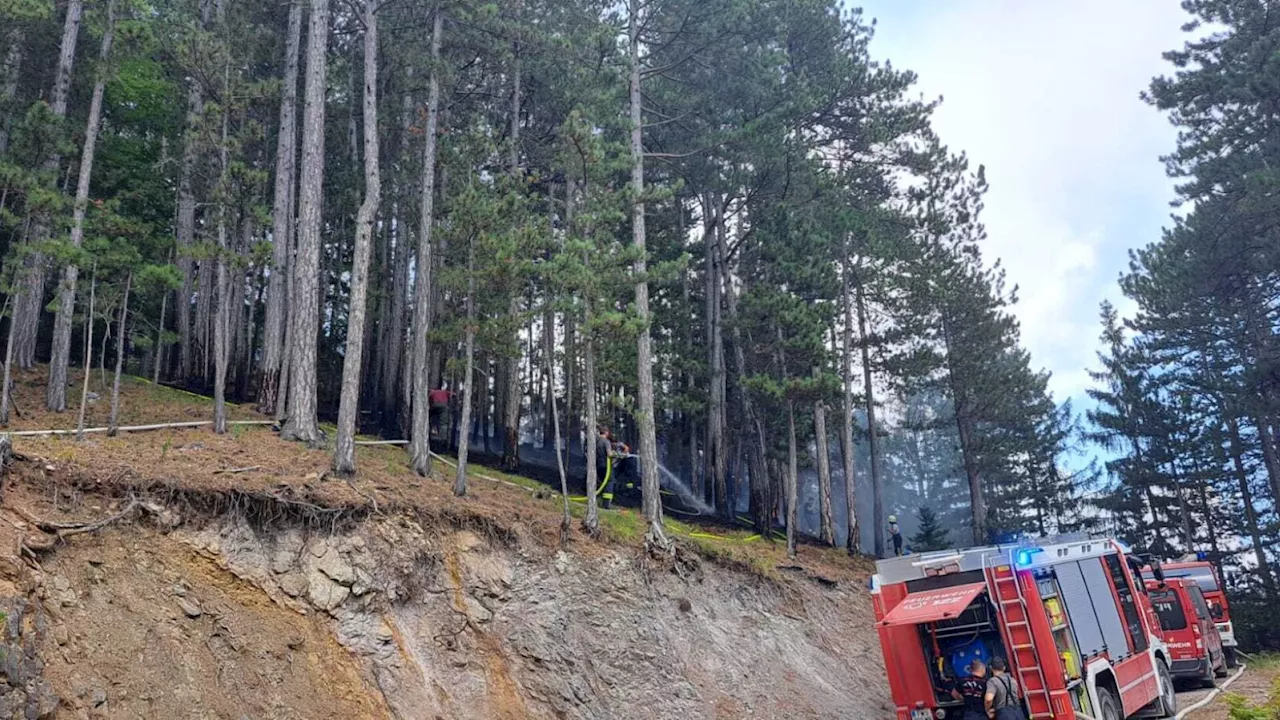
point(650, 489)
point(282, 220)
point(60, 357)
point(1270, 455)
point(717, 448)
point(304, 299)
point(826, 527)
point(186, 223)
point(468, 369)
point(218, 264)
point(511, 404)
point(873, 439)
point(344, 459)
point(1236, 449)
point(7, 382)
point(88, 353)
point(853, 539)
point(29, 301)
point(715, 403)
point(792, 481)
point(590, 521)
point(548, 343)
point(423, 292)
point(754, 438)
point(10, 71)
point(122, 331)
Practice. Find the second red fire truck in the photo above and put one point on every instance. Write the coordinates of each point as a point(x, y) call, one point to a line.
point(1202, 572)
point(1071, 617)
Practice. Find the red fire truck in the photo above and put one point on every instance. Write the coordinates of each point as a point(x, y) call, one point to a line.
point(1070, 616)
point(1195, 646)
point(1205, 575)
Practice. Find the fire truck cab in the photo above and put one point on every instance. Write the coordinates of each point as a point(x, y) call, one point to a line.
point(1204, 574)
point(1195, 646)
point(1070, 616)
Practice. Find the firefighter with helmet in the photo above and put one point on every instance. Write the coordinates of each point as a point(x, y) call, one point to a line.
point(895, 533)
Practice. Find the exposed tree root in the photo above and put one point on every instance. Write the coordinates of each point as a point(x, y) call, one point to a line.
point(62, 531)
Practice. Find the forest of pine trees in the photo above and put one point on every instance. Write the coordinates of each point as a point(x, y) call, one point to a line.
point(718, 227)
point(1188, 386)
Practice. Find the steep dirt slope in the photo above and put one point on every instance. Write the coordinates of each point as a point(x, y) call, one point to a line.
point(275, 591)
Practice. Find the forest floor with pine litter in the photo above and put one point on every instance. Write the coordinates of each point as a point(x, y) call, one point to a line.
point(254, 461)
point(238, 572)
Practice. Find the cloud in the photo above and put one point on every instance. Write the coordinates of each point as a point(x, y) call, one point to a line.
point(1046, 95)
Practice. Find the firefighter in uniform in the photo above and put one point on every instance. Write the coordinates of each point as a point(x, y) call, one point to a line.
point(895, 534)
point(604, 464)
point(1003, 698)
point(970, 691)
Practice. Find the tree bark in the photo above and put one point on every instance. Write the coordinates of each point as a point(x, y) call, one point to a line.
point(460, 479)
point(792, 480)
point(656, 536)
point(121, 331)
point(88, 354)
point(1270, 455)
point(160, 344)
point(186, 225)
point(826, 531)
point(590, 521)
point(10, 71)
point(511, 405)
point(344, 459)
point(757, 466)
point(511, 400)
point(873, 440)
point(29, 302)
point(282, 227)
point(548, 336)
point(1250, 513)
point(853, 539)
point(304, 301)
point(60, 357)
point(423, 292)
point(717, 452)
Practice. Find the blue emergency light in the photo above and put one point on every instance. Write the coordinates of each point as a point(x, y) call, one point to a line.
point(1024, 556)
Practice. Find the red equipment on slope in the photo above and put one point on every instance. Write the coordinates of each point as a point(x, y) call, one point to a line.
point(1071, 616)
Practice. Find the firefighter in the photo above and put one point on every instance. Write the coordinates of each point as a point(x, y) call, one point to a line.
point(604, 464)
point(437, 405)
point(1003, 699)
point(971, 691)
point(895, 533)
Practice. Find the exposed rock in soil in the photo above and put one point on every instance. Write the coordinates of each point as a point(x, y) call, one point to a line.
point(390, 616)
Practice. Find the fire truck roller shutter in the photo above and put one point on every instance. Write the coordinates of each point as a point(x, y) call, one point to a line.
point(932, 605)
point(1104, 601)
point(1075, 596)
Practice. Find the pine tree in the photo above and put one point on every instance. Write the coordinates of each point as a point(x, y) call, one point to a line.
point(305, 313)
point(930, 535)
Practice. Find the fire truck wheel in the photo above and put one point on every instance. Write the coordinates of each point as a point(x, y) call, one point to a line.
point(1209, 681)
point(1108, 705)
point(1168, 695)
point(1232, 661)
point(1221, 670)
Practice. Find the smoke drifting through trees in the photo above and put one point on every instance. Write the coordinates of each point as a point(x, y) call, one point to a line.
point(718, 228)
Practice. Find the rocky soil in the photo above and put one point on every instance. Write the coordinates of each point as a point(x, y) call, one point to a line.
point(389, 617)
point(186, 575)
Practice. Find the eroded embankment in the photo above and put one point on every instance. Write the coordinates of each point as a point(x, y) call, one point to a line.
point(202, 606)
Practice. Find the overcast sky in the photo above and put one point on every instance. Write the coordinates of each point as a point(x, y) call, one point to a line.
point(1045, 94)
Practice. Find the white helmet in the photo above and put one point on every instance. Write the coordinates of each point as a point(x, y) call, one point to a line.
point(893, 518)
